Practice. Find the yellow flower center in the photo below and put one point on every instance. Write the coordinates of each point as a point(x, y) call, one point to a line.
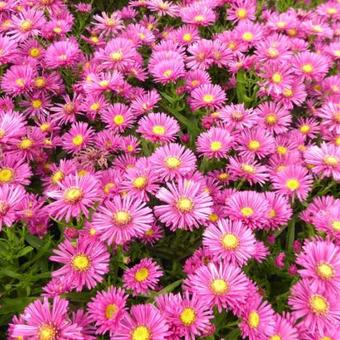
point(95, 107)
point(57, 177)
point(140, 182)
point(187, 37)
point(34, 52)
point(254, 145)
point(172, 162)
point(331, 160)
point(199, 18)
point(47, 332)
point(6, 175)
point(223, 176)
point(253, 319)
point(141, 333)
point(168, 73)
point(39, 82)
point(36, 103)
point(276, 78)
point(158, 130)
point(26, 143)
point(104, 83)
point(215, 146)
point(122, 217)
point(81, 262)
point(292, 184)
point(219, 286)
point(305, 128)
point(271, 213)
point(318, 304)
point(188, 316)
point(110, 310)
point(184, 204)
point(241, 13)
point(26, 25)
point(287, 92)
point(337, 53)
point(149, 232)
point(208, 98)
point(247, 36)
point(247, 211)
point(336, 225)
point(73, 195)
point(281, 24)
point(116, 56)
point(275, 337)
point(142, 274)
point(45, 127)
point(213, 217)
point(230, 241)
point(107, 187)
point(248, 168)
point(271, 119)
point(78, 140)
point(325, 271)
point(118, 119)
point(282, 150)
point(94, 39)
point(332, 11)
point(307, 68)
point(292, 32)
point(326, 338)
point(272, 52)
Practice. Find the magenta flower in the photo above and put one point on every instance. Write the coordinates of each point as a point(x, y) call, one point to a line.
point(207, 96)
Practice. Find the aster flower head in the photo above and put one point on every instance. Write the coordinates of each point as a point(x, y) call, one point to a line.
point(320, 262)
point(118, 220)
point(107, 309)
point(143, 322)
point(84, 264)
point(142, 277)
point(230, 241)
point(158, 127)
point(74, 196)
point(78, 137)
point(186, 206)
point(198, 14)
point(221, 285)
point(293, 181)
point(238, 117)
point(172, 160)
point(317, 308)
point(207, 96)
point(118, 117)
point(43, 319)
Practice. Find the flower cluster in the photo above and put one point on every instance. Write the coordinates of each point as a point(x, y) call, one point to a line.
point(208, 125)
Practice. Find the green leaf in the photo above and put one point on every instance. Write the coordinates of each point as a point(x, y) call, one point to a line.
point(24, 251)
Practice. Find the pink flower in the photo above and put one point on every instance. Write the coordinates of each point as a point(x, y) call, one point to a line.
point(207, 96)
point(143, 322)
point(74, 196)
point(186, 206)
point(230, 241)
point(222, 285)
point(118, 220)
point(142, 277)
point(85, 263)
point(107, 309)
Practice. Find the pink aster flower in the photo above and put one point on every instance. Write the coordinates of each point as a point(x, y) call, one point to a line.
point(293, 181)
point(64, 53)
point(145, 103)
point(143, 322)
point(246, 168)
point(257, 319)
point(249, 33)
point(10, 199)
point(309, 65)
point(222, 285)
point(188, 316)
point(230, 241)
point(108, 24)
point(107, 309)
point(237, 117)
point(186, 206)
point(14, 170)
point(158, 127)
point(167, 71)
point(320, 261)
point(215, 143)
point(142, 277)
point(324, 160)
point(118, 117)
point(27, 23)
point(44, 320)
point(8, 47)
point(74, 196)
point(118, 220)
point(78, 137)
point(249, 207)
point(329, 113)
point(317, 309)
point(198, 14)
point(242, 10)
point(255, 142)
point(207, 96)
point(172, 160)
point(84, 264)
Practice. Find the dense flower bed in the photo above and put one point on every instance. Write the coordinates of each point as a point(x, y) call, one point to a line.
point(170, 170)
